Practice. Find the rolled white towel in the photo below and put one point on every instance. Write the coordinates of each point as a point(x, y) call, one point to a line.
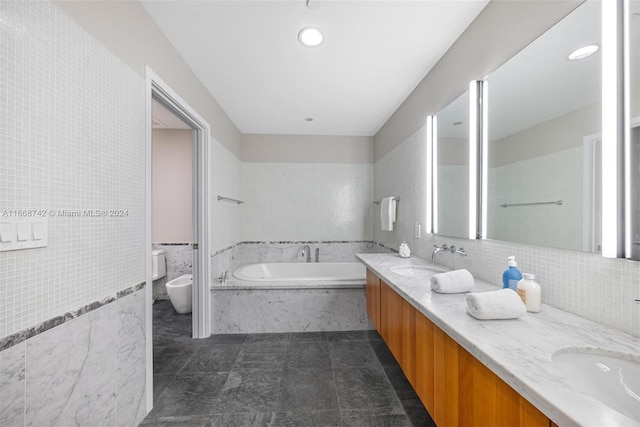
point(452, 282)
point(502, 304)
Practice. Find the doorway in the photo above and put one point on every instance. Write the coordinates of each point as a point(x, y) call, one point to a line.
point(157, 90)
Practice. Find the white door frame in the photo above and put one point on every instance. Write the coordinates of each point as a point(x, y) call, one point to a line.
point(201, 324)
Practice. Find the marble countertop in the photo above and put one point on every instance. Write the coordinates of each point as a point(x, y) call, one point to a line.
point(519, 351)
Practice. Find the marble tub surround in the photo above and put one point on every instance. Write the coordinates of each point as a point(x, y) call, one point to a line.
point(288, 310)
point(84, 369)
point(519, 351)
point(179, 258)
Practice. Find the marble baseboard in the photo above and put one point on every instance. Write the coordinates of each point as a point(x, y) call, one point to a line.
point(83, 371)
point(293, 310)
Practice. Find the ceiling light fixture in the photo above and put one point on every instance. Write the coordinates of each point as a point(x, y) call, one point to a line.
point(583, 52)
point(310, 37)
point(308, 119)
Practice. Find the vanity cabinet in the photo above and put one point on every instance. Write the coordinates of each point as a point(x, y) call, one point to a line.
point(455, 387)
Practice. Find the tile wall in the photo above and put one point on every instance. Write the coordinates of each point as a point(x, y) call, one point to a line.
point(90, 370)
point(72, 131)
point(587, 285)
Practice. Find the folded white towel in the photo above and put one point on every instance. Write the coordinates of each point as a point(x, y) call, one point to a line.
point(502, 304)
point(452, 282)
point(387, 213)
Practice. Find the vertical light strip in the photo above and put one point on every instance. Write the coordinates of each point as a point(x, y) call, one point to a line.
point(626, 125)
point(429, 177)
point(434, 174)
point(473, 158)
point(484, 161)
point(611, 130)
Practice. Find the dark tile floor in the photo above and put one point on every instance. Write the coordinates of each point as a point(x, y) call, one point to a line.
point(295, 379)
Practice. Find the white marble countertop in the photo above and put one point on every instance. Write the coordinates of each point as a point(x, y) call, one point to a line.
point(519, 351)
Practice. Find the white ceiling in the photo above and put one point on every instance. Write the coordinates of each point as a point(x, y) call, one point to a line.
point(374, 54)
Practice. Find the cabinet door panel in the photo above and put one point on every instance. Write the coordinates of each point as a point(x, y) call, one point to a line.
point(373, 299)
point(391, 315)
point(408, 352)
point(425, 362)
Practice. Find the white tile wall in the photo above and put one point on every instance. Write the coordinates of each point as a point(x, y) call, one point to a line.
point(225, 225)
point(585, 284)
point(72, 132)
point(556, 176)
point(307, 201)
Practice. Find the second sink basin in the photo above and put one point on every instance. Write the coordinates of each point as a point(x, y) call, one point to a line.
point(612, 378)
point(417, 270)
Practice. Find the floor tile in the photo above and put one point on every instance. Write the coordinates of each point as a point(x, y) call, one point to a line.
point(347, 336)
point(224, 339)
point(261, 338)
point(399, 382)
point(177, 421)
point(358, 354)
point(206, 359)
point(395, 420)
point(261, 355)
point(308, 419)
point(308, 354)
point(307, 337)
point(308, 389)
point(364, 388)
point(258, 419)
point(249, 390)
point(417, 413)
point(171, 359)
point(190, 395)
point(383, 353)
point(160, 383)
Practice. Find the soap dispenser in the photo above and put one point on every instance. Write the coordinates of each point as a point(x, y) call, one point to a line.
point(511, 275)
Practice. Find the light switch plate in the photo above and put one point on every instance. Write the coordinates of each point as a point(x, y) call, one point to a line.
point(18, 233)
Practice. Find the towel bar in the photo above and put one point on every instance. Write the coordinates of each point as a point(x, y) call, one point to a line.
point(377, 202)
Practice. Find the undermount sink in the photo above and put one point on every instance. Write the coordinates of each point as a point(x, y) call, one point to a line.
point(417, 270)
point(612, 378)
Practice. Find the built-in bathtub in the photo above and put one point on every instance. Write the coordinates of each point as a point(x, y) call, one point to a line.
point(291, 297)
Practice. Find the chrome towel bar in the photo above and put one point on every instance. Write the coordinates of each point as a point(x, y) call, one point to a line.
point(377, 202)
point(229, 199)
point(555, 202)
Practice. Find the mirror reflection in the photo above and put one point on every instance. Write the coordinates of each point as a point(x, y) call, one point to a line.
point(634, 68)
point(544, 130)
point(452, 163)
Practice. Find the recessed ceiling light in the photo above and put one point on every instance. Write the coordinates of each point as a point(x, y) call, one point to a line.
point(308, 119)
point(457, 123)
point(583, 52)
point(310, 36)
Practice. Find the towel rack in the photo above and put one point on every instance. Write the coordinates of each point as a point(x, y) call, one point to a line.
point(377, 202)
point(229, 199)
point(555, 202)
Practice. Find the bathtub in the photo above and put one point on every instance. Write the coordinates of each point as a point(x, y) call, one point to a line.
point(291, 297)
point(302, 272)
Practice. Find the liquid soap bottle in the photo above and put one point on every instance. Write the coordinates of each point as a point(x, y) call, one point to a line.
point(511, 275)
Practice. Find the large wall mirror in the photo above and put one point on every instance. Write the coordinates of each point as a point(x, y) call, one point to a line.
point(544, 124)
point(452, 169)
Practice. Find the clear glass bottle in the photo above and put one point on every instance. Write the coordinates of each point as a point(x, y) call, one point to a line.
point(529, 291)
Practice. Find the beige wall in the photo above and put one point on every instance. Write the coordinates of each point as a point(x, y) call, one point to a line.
point(172, 183)
point(501, 30)
point(307, 149)
point(126, 29)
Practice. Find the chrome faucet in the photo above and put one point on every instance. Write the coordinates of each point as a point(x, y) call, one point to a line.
point(460, 251)
point(223, 277)
point(306, 251)
point(444, 247)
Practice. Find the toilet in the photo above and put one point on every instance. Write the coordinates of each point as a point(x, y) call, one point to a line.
point(158, 264)
point(179, 290)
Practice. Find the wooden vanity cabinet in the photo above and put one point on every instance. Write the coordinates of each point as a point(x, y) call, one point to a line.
point(454, 386)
